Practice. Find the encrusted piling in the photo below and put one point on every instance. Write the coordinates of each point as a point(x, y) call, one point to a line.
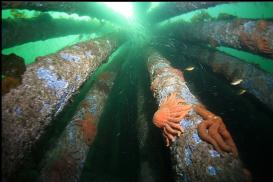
point(66, 160)
point(46, 87)
point(252, 78)
point(92, 9)
point(167, 10)
point(17, 31)
point(255, 36)
point(192, 158)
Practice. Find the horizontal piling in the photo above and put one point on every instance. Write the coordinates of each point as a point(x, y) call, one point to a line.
point(255, 36)
point(16, 31)
point(167, 10)
point(92, 9)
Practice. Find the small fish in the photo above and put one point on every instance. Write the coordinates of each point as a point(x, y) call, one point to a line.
point(241, 91)
point(190, 68)
point(236, 82)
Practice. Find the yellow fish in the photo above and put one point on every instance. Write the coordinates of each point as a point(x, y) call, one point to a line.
point(242, 91)
point(190, 68)
point(236, 82)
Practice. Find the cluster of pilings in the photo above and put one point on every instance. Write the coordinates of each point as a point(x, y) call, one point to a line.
point(65, 161)
point(198, 41)
point(47, 85)
point(50, 82)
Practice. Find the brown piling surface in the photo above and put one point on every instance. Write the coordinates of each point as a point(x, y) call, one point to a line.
point(192, 158)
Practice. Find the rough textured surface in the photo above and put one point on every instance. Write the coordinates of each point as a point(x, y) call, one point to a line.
point(169, 9)
point(46, 87)
point(73, 141)
point(17, 31)
point(92, 9)
point(81, 131)
point(254, 80)
point(254, 36)
point(192, 158)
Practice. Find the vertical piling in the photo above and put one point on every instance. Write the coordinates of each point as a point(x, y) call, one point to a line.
point(192, 158)
point(46, 87)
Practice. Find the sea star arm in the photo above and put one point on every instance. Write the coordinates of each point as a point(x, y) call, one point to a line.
point(169, 136)
point(228, 139)
point(202, 111)
point(173, 131)
point(202, 130)
point(166, 139)
point(213, 131)
point(176, 126)
point(177, 116)
point(217, 133)
point(160, 117)
point(169, 115)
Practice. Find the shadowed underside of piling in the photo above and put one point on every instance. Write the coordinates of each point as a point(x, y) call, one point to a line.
point(46, 87)
point(192, 158)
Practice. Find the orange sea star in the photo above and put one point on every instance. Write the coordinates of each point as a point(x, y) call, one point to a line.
point(88, 128)
point(217, 134)
point(105, 76)
point(168, 116)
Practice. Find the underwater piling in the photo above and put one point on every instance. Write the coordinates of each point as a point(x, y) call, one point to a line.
point(255, 36)
point(47, 85)
point(192, 158)
point(17, 31)
point(153, 165)
point(66, 160)
point(68, 7)
point(255, 80)
point(92, 9)
point(169, 9)
point(148, 150)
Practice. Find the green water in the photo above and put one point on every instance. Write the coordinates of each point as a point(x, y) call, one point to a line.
point(30, 50)
point(42, 48)
point(115, 154)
